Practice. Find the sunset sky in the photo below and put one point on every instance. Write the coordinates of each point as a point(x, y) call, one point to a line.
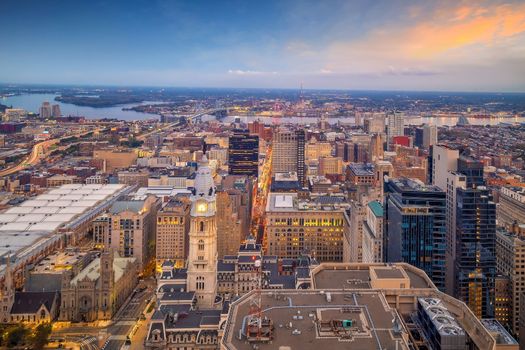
point(390, 44)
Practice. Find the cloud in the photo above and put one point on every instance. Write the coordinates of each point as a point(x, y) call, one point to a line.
point(250, 72)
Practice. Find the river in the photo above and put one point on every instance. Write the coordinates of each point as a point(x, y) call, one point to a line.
point(32, 103)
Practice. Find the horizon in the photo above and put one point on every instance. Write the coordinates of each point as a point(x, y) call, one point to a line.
point(107, 86)
point(446, 46)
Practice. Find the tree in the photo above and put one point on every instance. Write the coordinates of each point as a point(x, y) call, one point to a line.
point(41, 335)
point(16, 336)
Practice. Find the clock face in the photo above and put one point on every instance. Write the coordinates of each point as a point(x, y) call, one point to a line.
point(202, 207)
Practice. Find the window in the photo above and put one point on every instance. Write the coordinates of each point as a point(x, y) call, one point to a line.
point(201, 245)
point(201, 226)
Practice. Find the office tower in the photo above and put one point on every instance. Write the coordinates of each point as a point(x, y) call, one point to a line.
point(288, 153)
point(372, 246)
point(374, 124)
point(173, 224)
point(475, 262)
point(295, 226)
point(284, 151)
point(454, 181)
point(418, 137)
point(55, 112)
point(510, 252)
point(45, 110)
point(202, 260)
point(301, 168)
point(229, 226)
point(353, 238)
point(396, 122)
point(415, 226)
point(444, 159)
point(502, 298)
point(430, 136)
point(133, 228)
point(473, 171)
point(243, 153)
point(511, 207)
point(102, 231)
point(376, 150)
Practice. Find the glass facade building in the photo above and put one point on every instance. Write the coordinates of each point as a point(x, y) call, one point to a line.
point(243, 153)
point(415, 226)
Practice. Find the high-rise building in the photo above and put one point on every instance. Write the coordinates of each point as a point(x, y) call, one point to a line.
point(473, 171)
point(444, 159)
point(173, 224)
point(372, 246)
point(475, 262)
point(511, 207)
point(133, 225)
point(430, 136)
point(243, 153)
point(202, 260)
point(301, 168)
point(55, 112)
point(295, 226)
point(288, 153)
point(396, 124)
point(229, 226)
point(454, 181)
point(510, 252)
point(415, 226)
point(284, 151)
point(330, 166)
point(45, 110)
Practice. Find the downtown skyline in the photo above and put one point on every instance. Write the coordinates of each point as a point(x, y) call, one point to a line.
point(387, 45)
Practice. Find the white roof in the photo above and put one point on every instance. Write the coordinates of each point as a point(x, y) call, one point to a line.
point(31, 218)
point(19, 210)
point(4, 218)
point(15, 226)
point(59, 190)
point(83, 203)
point(94, 197)
point(34, 203)
point(45, 226)
point(284, 201)
point(71, 210)
point(49, 197)
point(59, 218)
point(45, 210)
point(71, 186)
point(60, 204)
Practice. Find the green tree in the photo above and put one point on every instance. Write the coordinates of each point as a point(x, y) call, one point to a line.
point(16, 336)
point(41, 335)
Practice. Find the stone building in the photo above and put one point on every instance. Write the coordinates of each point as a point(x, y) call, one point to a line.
point(99, 290)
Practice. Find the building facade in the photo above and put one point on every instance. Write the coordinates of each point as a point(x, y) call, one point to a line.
point(243, 153)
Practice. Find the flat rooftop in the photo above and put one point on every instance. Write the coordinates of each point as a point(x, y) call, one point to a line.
point(304, 320)
point(348, 276)
point(59, 261)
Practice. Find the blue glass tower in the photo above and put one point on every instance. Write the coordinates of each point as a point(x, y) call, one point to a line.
point(415, 226)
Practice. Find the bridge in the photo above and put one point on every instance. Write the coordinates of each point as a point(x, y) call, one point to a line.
point(220, 113)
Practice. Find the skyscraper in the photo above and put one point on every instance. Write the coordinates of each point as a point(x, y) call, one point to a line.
point(243, 153)
point(430, 136)
point(475, 262)
point(45, 110)
point(415, 226)
point(288, 153)
point(56, 111)
point(396, 122)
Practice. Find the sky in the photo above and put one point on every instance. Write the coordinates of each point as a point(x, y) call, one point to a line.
point(330, 44)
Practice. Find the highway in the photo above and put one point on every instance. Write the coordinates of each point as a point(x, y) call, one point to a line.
point(39, 149)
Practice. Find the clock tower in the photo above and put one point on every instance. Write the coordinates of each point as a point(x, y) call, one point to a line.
point(202, 259)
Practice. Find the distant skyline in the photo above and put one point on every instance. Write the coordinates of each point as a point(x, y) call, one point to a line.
point(333, 44)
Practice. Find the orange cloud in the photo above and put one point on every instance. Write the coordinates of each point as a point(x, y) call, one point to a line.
point(466, 27)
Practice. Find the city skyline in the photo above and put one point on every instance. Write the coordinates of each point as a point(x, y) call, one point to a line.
point(421, 46)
